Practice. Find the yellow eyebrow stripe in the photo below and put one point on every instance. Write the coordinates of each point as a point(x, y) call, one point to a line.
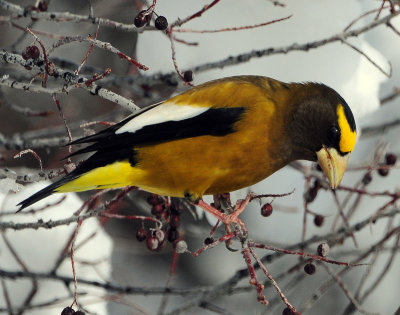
point(348, 136)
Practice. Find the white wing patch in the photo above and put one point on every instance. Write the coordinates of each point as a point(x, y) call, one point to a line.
point(162, 113)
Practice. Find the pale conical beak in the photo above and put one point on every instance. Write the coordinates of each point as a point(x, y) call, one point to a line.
point(333, 164)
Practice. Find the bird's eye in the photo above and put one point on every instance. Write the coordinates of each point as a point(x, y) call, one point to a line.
point(333, 135)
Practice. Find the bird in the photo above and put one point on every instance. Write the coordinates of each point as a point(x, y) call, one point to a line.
point(216, 137)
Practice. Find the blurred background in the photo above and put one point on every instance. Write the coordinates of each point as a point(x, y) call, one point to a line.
point(108, 252)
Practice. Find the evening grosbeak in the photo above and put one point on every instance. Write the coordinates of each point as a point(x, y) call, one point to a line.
point(217, 137)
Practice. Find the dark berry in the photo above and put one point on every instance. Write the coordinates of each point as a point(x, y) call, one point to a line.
point(68, 311)
point(318, 220)
point(323, 249)
point(31, 52)
point(188, 76)
point(266, 210)
point(383, 171)
point(367, 178)
point(208, 241)
point(172, 235)
point(391, 158)
point(157, 209)
point(309, 268)
point(43, 6)
point(287, 311)
point(152, 242)
point(142, 18)
point(176, 208)
point(161, 23)
point(175, 221)
point(312, 192)
point(79, 313)
point(141, 234)
point(154, 200)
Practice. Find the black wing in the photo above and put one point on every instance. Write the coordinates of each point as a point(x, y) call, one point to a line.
point(110, 146)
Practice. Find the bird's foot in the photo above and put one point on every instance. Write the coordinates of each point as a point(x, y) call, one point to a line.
point(231, 218)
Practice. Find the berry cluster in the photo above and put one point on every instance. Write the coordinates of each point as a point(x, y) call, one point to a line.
point(390, 159)
point(169, 214)
point(144, 17)
point(70, 311)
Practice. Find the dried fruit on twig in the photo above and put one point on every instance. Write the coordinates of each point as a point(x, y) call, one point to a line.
point(31, 52)
point(172, 235)
point(188, 76)
point(390, 159)
point(161, 23)
point(141, 234)
point(318, 220)
point(142, 18)
point(68, 311)
point(266, 210)
point(383, 172)
point(367, 178)
point(288, 311)
point(208, 241)
point(309, 268)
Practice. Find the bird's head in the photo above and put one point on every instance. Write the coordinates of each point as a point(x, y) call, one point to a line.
point(323, 129)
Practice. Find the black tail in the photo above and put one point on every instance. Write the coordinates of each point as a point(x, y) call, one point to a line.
point(47, 191)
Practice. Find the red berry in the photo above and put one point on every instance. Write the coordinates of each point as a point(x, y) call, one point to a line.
point(208, 241)
point(68, 311)
point(383, 171)
point(142, 18)
point(161, 23)
point(318, 220)
point(266, 210)
point(31, 52)
point(188, 76)
point(154, 200)
point(157, 209)
point(152, 242)
point(175, 221)
point(141, 234)
point(391, 158)
point(309, 268)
